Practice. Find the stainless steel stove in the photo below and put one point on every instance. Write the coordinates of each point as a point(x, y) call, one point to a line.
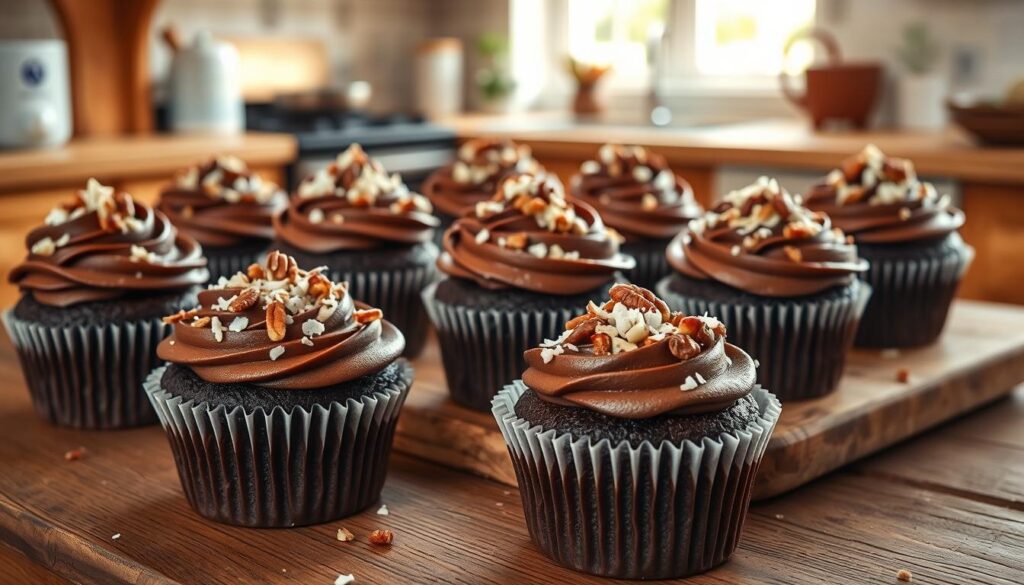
point(403, 143)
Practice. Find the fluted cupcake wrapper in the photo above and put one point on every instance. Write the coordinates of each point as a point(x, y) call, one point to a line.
point(482, 349)
point(911, 297)
point(801, 343)
point(651, 263)
point(396, 292)
point(634, 512)
point(88, 376)
point(280, 468)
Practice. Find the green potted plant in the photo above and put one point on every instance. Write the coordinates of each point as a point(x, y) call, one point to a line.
point(494, 80)
point(921, 90)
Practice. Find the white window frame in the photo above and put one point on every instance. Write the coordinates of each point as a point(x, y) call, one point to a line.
point(682, 79)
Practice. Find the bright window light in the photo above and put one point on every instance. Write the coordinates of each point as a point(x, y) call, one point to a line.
point(615, 32)
point(746, 37)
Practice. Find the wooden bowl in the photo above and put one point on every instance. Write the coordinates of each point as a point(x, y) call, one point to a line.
point(991, 123)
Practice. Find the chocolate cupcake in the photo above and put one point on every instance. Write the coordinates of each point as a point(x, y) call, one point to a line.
point(100, 274)
point(482, 163)
point(908, 235)
point(637, 194)
point(636, 436)
point(281, 397)
point(368, 230)
point(783, 280)
point(518, 267)
point(227, 208)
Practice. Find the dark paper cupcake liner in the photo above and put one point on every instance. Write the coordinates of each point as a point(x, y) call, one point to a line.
point(911, 297)
point(482, 349)
point(644, 512)
point(396, 292)
point(88, 376)
point(651, 264)
point(801, 343)
point(280, 468)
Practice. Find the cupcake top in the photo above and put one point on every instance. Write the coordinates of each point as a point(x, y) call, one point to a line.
point(280, 327)
point(636, 192)
point(103, 245)
point(474, 176)
point(879, 200)
point(760, 240)
point(353, 204)
point(222, 203)
point(529, 236)
point(632, 358)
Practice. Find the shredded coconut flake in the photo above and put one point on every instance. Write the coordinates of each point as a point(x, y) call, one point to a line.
point(276, 352)
point(238, 324)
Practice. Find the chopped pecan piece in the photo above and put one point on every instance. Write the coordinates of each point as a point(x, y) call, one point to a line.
point(534, 206)
point(683, 347)
point(517, 241)
point(319, 286)
point(200, 322)
point(602, 343)
point(281, 266)
point(244, 300)
point(382, 537)
point(636, 297)
point(275, 321)
point(793, 253)
point(180, 316)
point(583, 331)
point(255, 272)
point(368, 316)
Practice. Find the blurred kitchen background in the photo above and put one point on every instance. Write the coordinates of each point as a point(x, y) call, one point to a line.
point(132, 90)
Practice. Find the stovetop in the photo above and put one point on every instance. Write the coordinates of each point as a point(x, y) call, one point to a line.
point(333, 130)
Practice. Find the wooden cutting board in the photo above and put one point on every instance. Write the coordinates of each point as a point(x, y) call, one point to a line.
point(979, 358)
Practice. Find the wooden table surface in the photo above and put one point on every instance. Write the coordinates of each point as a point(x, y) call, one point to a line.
point(948, 506)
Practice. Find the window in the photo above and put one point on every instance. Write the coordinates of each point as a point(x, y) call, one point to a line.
point(708, 45)
point(615, 32)
point(746, 37)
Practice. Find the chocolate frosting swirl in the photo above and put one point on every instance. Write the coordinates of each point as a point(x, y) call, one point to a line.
point(318, 336)
point(354, 205)
point(102, 246)
point(760, 240)
point(636, 192)
point(530, 237)
point(675, 364)
point(474, 176)
point(879, 200)
point(222, 203)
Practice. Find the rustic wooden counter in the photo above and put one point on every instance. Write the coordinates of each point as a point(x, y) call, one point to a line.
point(133, 157)
point(768, 143)
point(949, 507)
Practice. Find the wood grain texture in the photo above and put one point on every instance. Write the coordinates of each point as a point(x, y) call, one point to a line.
point(133, 157)
point(781, 143)
point(853, 527)
point(108, 50)
point(17, 568)
point(995, 216)
point(979, 358)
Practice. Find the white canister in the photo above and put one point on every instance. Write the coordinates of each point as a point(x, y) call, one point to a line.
point(439, 77)
point(206, 88)
point(921, 102)
point(35, 100)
